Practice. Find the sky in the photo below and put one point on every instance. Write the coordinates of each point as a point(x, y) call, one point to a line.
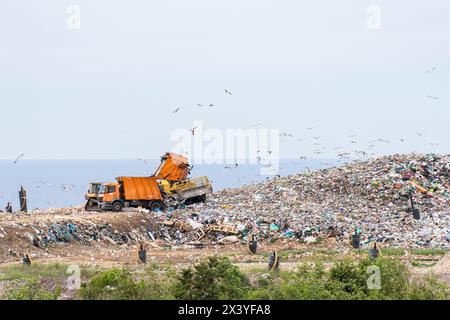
point(108, 89)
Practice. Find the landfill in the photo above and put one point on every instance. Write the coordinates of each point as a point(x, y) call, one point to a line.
point(373, 198)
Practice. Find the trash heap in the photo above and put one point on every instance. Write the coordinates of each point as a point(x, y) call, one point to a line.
point(87, 233)
point(370, 197)
point(373, 196)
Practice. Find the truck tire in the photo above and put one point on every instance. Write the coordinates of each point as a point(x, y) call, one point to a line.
point(156, 206)
point(117, 206)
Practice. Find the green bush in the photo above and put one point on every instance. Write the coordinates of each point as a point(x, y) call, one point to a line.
point(214, 279)
point(121, 284)
point(31, 288)
point(113, 284)
point(427, 288)
point(348, 280)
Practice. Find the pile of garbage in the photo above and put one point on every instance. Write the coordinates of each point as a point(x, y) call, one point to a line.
point(373, 197)
point(397, 200)
point(86, 233)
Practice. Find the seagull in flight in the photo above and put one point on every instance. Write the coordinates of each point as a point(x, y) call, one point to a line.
point(227, 92)
point(431, 70)
point(18, 158)
point(284, 134)
point(433, 97)
point(176, 110)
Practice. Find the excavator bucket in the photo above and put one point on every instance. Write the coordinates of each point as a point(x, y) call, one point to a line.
point(173, 167)
point(91, 205)
point(92, 196)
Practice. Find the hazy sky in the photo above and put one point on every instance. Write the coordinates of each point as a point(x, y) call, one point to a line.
point(108, 89)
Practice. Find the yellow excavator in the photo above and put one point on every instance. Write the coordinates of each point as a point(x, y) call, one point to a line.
point(92, 196)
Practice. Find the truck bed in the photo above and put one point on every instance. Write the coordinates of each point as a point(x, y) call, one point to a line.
point(140, 188)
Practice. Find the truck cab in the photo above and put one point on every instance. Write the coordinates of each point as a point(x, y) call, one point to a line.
point(131, 192)
point(109, 197)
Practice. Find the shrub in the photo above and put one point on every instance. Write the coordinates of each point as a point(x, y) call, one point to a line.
point(31, 288)
point(213, 279)
point(121, 284)
point(113, 284)
point(427, 288)
point(348, 280)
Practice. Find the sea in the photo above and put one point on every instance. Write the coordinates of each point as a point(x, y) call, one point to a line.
point(63, 183)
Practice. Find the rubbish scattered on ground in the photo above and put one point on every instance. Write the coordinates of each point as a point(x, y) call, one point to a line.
point(371, 199)
point(373, 196)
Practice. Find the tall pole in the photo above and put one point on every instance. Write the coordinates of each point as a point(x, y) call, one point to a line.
point(23, 199)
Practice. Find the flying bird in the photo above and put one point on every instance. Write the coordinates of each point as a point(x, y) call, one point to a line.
point(18, 158)
point(284, 134)
point(433, 97)
point(227, 92)
point(176, 110)
point(431, 70)
point(200, 105)
point(67, 188)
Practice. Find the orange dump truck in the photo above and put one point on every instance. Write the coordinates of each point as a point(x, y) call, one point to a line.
point(173, 167)
point(131, 192)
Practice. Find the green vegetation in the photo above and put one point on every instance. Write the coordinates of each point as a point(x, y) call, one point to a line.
point(413, 251)
point(217, 278)
point(349, 281)
point(121, 284)
point(31, 288)
point(55, 271)
point(214, 279)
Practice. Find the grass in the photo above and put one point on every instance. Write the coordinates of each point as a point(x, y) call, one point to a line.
point(418, 264)
point(335, 279)
point(55, 271)
point(16, 272)
point(411, 251)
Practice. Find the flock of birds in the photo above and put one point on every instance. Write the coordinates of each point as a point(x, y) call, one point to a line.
point(318, 147)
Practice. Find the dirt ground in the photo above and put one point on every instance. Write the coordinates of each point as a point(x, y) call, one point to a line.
point(105, 253)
